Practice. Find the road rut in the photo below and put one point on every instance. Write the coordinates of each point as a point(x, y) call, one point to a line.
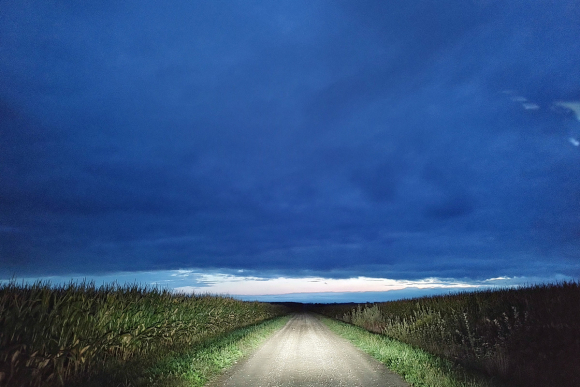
point(306, 353)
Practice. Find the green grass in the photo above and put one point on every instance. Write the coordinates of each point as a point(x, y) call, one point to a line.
point(416, 366)
point(202, 363)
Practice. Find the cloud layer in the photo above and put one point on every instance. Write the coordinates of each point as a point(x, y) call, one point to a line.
point(388, 139)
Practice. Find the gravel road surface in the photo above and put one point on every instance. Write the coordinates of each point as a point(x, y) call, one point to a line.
point(306, 353)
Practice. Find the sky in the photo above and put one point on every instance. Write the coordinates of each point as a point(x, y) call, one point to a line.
point(328, 150)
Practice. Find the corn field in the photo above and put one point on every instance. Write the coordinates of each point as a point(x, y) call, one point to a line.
point(50, 335)
point(525, 337)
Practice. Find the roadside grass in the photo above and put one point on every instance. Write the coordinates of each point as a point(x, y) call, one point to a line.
point(191, 366)
point(416, 366)
point(202, 363)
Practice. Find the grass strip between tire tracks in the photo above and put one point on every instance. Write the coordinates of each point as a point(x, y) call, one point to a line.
point(203, 363)
point(416, 366)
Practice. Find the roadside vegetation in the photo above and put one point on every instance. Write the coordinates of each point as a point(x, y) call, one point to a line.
point(74, 333)
point(206, 361)
point(416, 366)
point(523, 337)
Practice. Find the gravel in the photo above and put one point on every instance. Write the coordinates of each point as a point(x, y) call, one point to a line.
point(306, 353)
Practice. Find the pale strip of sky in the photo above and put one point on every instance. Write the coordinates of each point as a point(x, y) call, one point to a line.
point(197, 281)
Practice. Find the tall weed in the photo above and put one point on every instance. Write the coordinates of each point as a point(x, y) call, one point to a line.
point(525, 336)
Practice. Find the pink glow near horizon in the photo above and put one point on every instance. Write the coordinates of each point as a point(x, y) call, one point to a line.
point(252, 286)
point(238, 284)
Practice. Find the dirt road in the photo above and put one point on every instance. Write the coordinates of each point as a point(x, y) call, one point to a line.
point(306, 353)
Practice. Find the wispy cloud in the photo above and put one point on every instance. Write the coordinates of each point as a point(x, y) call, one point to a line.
point(267, 287)
point(253, 286)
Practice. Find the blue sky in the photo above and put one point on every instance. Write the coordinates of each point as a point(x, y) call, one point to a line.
point(290, 141)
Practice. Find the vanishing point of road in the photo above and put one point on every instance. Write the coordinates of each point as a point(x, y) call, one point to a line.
point(306, 353)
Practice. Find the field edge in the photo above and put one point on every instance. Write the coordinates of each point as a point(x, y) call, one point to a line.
point(418, 367)
point(207, 362)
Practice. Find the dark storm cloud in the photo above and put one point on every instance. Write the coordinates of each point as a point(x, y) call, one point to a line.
point(347, 138)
